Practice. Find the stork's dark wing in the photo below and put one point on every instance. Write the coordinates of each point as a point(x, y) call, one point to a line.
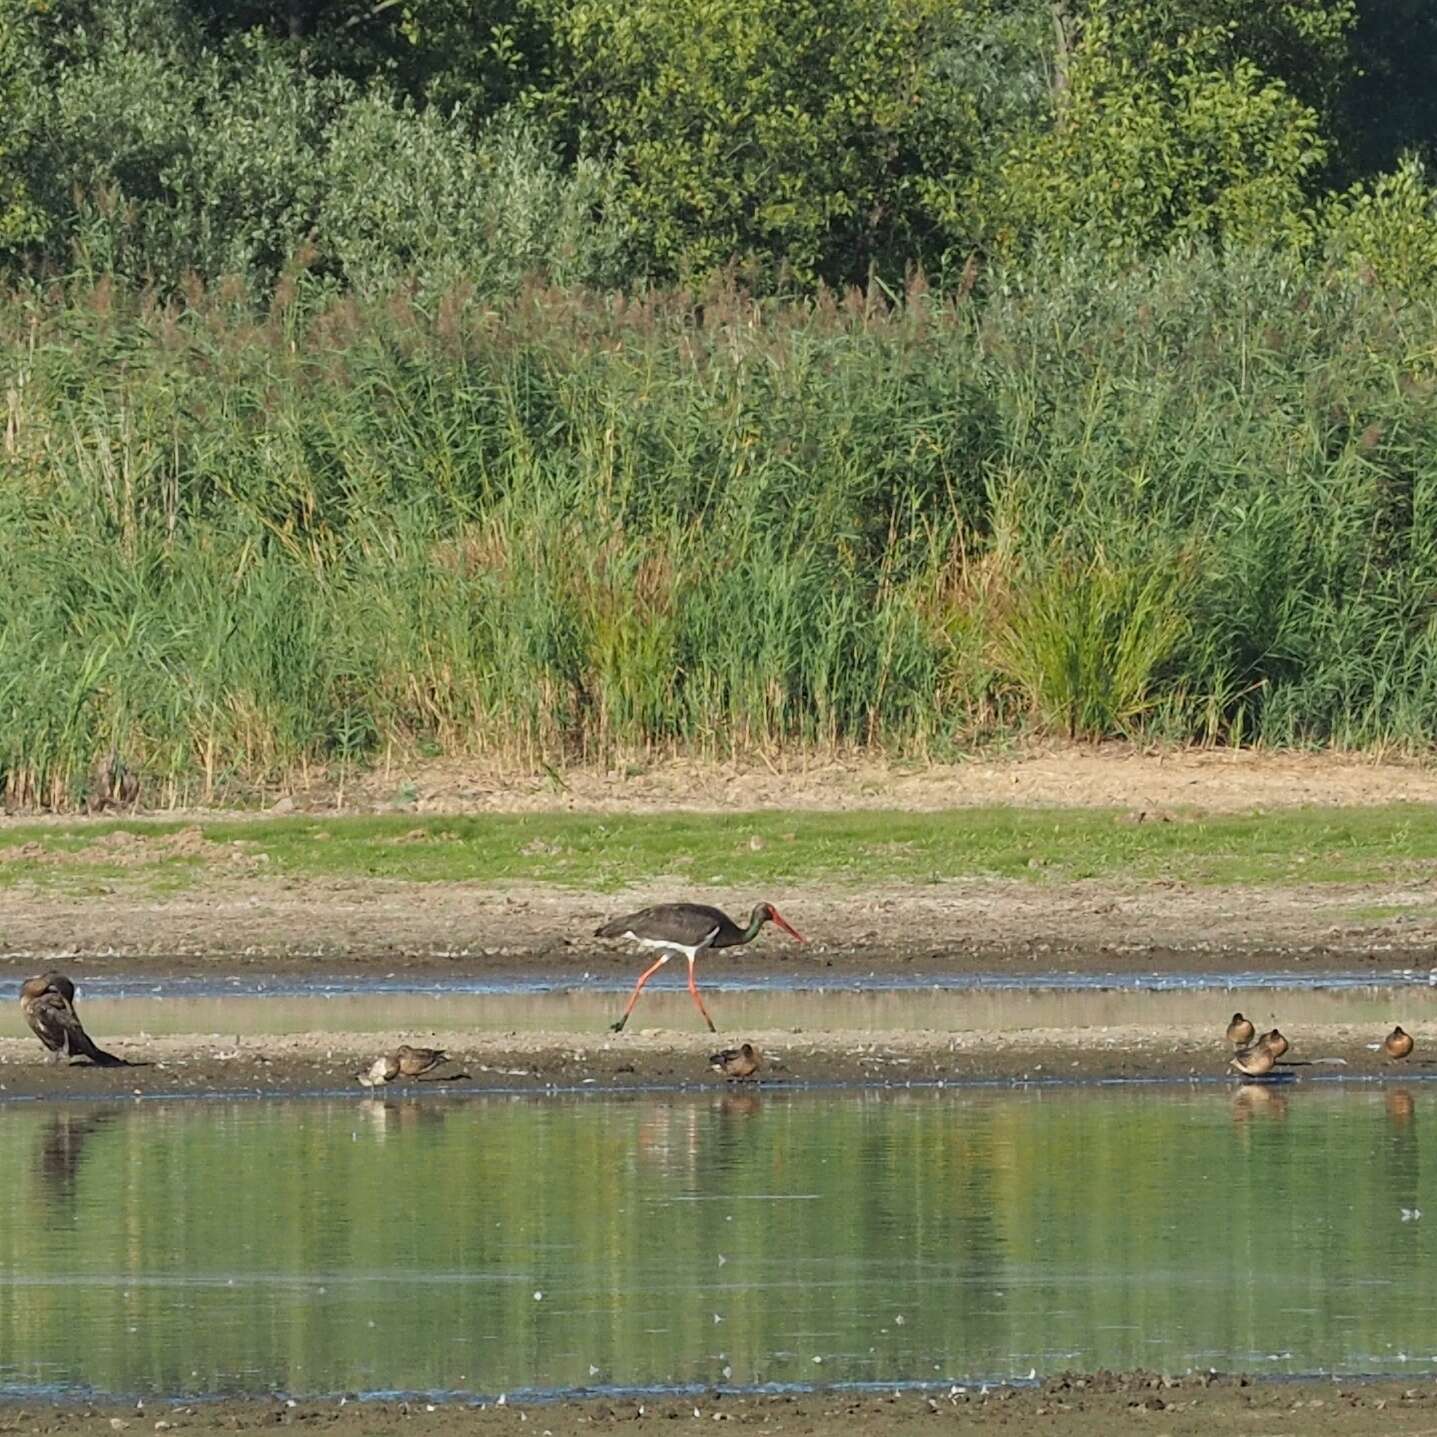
point(686, 923)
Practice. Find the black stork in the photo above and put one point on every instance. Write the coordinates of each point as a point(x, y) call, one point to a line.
point(690, 929)
point(48, 1003)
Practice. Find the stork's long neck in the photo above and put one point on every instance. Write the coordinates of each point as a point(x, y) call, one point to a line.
point(756, 920)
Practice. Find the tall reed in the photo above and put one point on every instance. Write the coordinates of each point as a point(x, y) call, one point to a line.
point(1193, 501)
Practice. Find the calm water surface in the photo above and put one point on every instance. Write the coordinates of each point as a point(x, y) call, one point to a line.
point(497, 1245)
point(591, 1009)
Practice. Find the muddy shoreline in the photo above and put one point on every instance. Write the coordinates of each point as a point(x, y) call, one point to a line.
point(650, 1060)
point(959, 926)
point(1093, 1403)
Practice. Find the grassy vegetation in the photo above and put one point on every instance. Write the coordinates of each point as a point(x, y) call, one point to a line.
point(747, 853)
point(1193, 502)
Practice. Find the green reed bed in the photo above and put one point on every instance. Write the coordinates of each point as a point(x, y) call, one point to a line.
point(1192, 502)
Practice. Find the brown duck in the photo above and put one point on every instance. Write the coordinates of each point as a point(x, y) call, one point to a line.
point(405, 1062)
point(1398, 1044)
point(416, 1062)
point(48, 1003)
point(1274, 1042)
point(1254, 1062)
point(740, 1062)
point(1240, 1031)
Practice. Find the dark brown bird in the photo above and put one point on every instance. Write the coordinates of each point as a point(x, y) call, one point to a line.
point(690, 929)
point(740, 1062)
point(1254, 1062)
point(48, 1003)
point(1397, 1044)
point(113, 783)
point(415, 1062)
point(404, 1061)
point(1240, 1031)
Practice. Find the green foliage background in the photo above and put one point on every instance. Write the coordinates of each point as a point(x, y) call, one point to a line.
point(589, 378)
point(650, 142)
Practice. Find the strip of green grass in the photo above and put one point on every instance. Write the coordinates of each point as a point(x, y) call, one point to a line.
point(605, 853)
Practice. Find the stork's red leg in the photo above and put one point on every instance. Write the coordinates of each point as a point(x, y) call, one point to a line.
point(693, 988)
point(639, 988)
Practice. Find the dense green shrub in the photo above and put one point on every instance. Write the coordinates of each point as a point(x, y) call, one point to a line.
point(1387, 227)
point(644, 142)
point(350, 404)
point(1162, 135)
point(785, 135)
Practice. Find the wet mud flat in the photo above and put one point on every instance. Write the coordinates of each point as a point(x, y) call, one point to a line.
point(1090, 1404)
point(648, 1059)
point(283, 1029)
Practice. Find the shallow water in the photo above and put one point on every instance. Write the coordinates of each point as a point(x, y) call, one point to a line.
point(590, 1010)
point(715, 977)
point(497, 1245)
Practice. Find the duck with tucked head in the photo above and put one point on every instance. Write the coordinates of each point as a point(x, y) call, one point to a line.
point(1398, 1044)
point(405, 1062)
point(1254, 1062)
point(1240, 1031)
point(1274, 1042)
point(740, 1062)
point(417, 1062)
point(48, 1003)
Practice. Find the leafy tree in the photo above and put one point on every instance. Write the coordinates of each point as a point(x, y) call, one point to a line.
point(1388, 225)
point(434, 52)
point(786, 135)
point(1161, 128)
point(21, 221)
point(1304, 44)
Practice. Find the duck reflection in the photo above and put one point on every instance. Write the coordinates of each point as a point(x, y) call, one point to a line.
point(739, 1105)
point(389, 1115)
point(63, 1143)
point(1259, 1100)
point(689, 1138)
point(1400, 1107)
point(1400, 1163)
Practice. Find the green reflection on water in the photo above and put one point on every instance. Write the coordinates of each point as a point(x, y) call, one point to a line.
point(361, 1245)
point(582, 1010)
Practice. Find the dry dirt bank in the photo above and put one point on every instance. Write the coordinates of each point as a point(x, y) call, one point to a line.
point(1105, 776)
point(965, 925)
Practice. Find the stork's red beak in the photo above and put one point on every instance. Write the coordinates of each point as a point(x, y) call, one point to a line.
point(785, 924)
